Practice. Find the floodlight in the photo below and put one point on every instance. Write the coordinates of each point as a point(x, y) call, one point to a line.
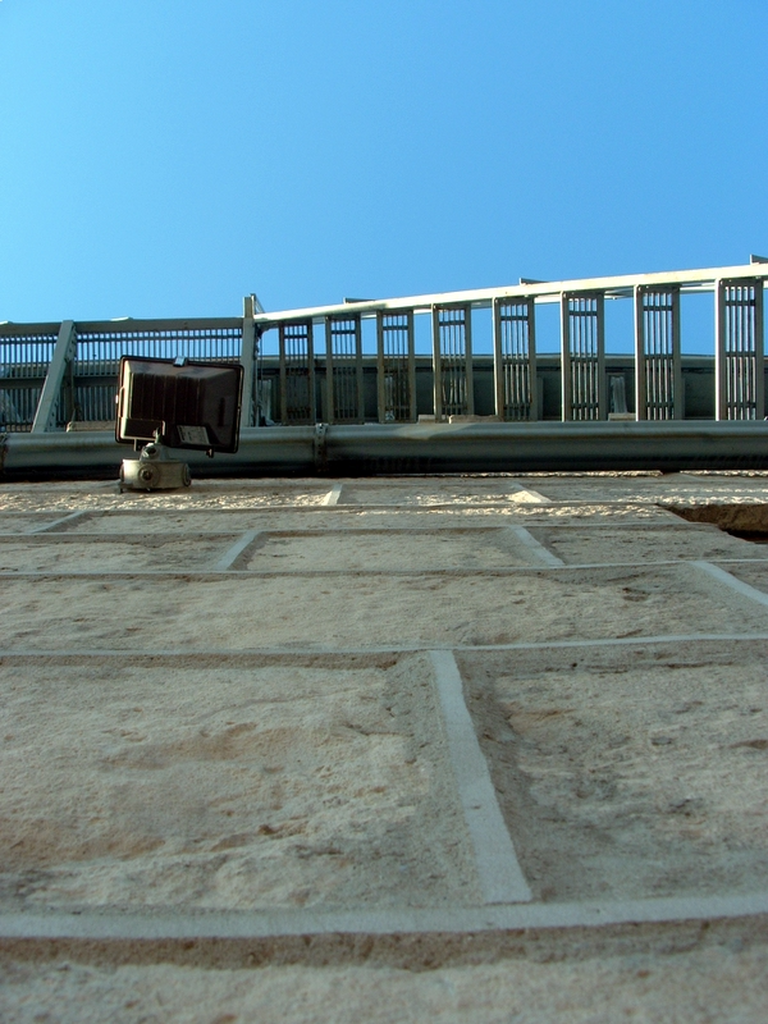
point(167, 403)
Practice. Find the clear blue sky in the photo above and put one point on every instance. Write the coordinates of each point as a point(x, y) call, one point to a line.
point(164, 158)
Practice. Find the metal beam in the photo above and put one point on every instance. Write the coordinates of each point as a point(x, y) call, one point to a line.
point(247, 358)
point(66, 343)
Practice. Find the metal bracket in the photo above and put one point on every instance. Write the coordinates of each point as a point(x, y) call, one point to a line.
point(153, 471)
point(320, 447)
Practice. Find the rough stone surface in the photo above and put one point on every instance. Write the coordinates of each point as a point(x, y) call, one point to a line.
point(222, 700)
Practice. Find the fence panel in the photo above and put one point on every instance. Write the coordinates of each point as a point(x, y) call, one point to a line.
point(344, 369)
point(396, 367)
point(99, 348)
point(583, 356)
point(514, 361)
point(297, 373)
point(452, 361)
point(658, 373)
point(24, 362)
point(739, 362)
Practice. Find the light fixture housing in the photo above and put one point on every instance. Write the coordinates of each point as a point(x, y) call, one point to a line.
point(179, 403)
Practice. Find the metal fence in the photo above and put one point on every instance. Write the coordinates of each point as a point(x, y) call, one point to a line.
point(481, 358)
point(25, 356)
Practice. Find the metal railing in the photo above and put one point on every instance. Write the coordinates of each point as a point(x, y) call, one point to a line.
point(26, 353)
point(357, 362)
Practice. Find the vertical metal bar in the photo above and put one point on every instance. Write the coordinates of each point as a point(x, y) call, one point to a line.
point(566, 390)
point(358, 341)
point(381, 391)
point(468, 374)
point(498, 362)
point(310, 359)
point(411, 364)
point(329, 381)
point(532, 383)
point(721, 410)
point(247, 359)
point(678, 394)
point(641, 409)
point(437, 371)
point(759, 352)
point(283, 369)
point(602, 403)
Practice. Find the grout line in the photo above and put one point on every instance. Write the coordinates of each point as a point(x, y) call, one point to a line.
point(536, 547)
point(389, 649)
point(98, 925)
point(499, 571)
point(230, 556)
point(64, 520)
point(333, 496)
point(733, 582)
point(299, 531)
point(367, 571)
point(501, 879)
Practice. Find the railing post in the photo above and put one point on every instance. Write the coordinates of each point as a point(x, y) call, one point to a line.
point(566, 390)
point(437, 378)
point(535, 412)
point(640, 375)
point(498, 362)
point(759, 350)
point(678, 410)
point(721, 400)
point(250, 415)
point(469, 372)
point(63, 353)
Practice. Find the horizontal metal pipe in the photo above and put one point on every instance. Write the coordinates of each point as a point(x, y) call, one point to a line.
point(419, 448)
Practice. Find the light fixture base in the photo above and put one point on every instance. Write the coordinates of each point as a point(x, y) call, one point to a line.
point(153, 471)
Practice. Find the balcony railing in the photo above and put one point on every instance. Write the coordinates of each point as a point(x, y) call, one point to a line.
point(444, 356)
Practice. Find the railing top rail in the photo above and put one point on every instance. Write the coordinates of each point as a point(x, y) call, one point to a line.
point(124, 325)
point(131, 326)
point(10, 331)
point(543, 292)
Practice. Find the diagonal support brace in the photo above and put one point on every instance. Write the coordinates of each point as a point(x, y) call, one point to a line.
point(63, 355)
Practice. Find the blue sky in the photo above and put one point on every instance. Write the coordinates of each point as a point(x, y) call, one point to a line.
point(166, 158)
